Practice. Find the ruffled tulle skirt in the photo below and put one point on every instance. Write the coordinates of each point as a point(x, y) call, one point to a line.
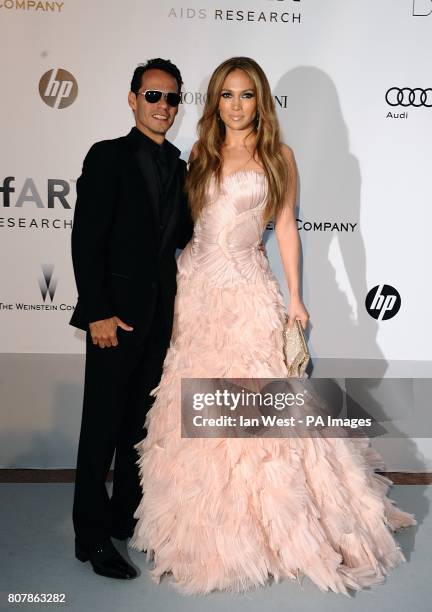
point(229, 514)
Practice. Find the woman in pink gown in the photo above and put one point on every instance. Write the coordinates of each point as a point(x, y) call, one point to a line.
point(227, 513)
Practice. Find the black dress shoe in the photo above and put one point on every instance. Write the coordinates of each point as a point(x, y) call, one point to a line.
point(106, 560)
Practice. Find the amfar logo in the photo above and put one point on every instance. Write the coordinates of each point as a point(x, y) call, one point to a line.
point(243, 15)
point(383, 302)
point(58, 88)
point(47, 283)
point(57, 189)
point(422, 8)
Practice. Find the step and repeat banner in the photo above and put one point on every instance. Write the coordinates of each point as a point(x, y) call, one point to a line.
point(353, 91)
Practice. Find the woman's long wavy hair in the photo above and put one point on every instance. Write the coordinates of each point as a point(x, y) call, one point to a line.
point(207, 156)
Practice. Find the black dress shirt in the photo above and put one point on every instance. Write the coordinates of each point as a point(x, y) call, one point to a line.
point(163, 171)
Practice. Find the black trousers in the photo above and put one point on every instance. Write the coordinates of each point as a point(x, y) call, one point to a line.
point(116, 400)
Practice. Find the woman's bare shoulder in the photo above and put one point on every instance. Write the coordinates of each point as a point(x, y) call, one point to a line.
point(287, 152)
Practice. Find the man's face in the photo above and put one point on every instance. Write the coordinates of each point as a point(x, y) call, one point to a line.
point(154, 120)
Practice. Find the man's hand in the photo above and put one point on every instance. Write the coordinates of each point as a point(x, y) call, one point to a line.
point(104, 332)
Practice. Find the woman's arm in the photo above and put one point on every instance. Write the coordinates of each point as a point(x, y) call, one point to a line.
point(289, 242)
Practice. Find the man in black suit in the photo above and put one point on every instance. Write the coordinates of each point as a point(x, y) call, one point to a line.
point(130, 217)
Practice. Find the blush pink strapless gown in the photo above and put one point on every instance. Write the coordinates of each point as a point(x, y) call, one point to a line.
point(226, 513)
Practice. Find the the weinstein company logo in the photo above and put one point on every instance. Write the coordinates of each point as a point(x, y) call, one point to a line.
point(58, 88)
point(47, 286)
point(422, 8)
point(32, 5)
point(383, 302)
point(322, 226)
point(47, 283)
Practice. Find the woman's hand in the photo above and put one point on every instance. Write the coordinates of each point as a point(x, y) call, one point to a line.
point(297, 310)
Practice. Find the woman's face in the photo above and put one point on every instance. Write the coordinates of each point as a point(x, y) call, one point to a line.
point(237, 104)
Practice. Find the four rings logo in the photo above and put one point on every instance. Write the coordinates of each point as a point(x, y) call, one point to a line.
point(405, 96)
point(58, 88)
point(383, 302)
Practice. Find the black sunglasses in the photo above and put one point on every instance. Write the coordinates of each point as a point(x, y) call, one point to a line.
point(152, 96)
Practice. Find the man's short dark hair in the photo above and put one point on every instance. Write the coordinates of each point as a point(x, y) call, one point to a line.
point(155, 64)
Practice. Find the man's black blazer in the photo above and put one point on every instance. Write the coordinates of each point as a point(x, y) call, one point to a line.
point(122, 252)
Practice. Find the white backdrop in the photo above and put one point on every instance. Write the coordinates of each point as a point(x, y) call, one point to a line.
point(364, 191)
point(330, 64)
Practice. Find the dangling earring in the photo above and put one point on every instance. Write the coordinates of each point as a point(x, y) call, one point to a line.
point(220, 123)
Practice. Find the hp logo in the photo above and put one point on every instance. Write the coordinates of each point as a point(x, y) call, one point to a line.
point(383, 302)
point(422, 8)
point(58, 88)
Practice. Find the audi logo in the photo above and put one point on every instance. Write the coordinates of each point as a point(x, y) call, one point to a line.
point(404, 96)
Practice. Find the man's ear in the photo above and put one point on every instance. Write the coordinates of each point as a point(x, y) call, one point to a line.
point(132, 100)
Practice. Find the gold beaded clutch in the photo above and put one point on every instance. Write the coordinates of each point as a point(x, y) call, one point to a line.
point(296, 352)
